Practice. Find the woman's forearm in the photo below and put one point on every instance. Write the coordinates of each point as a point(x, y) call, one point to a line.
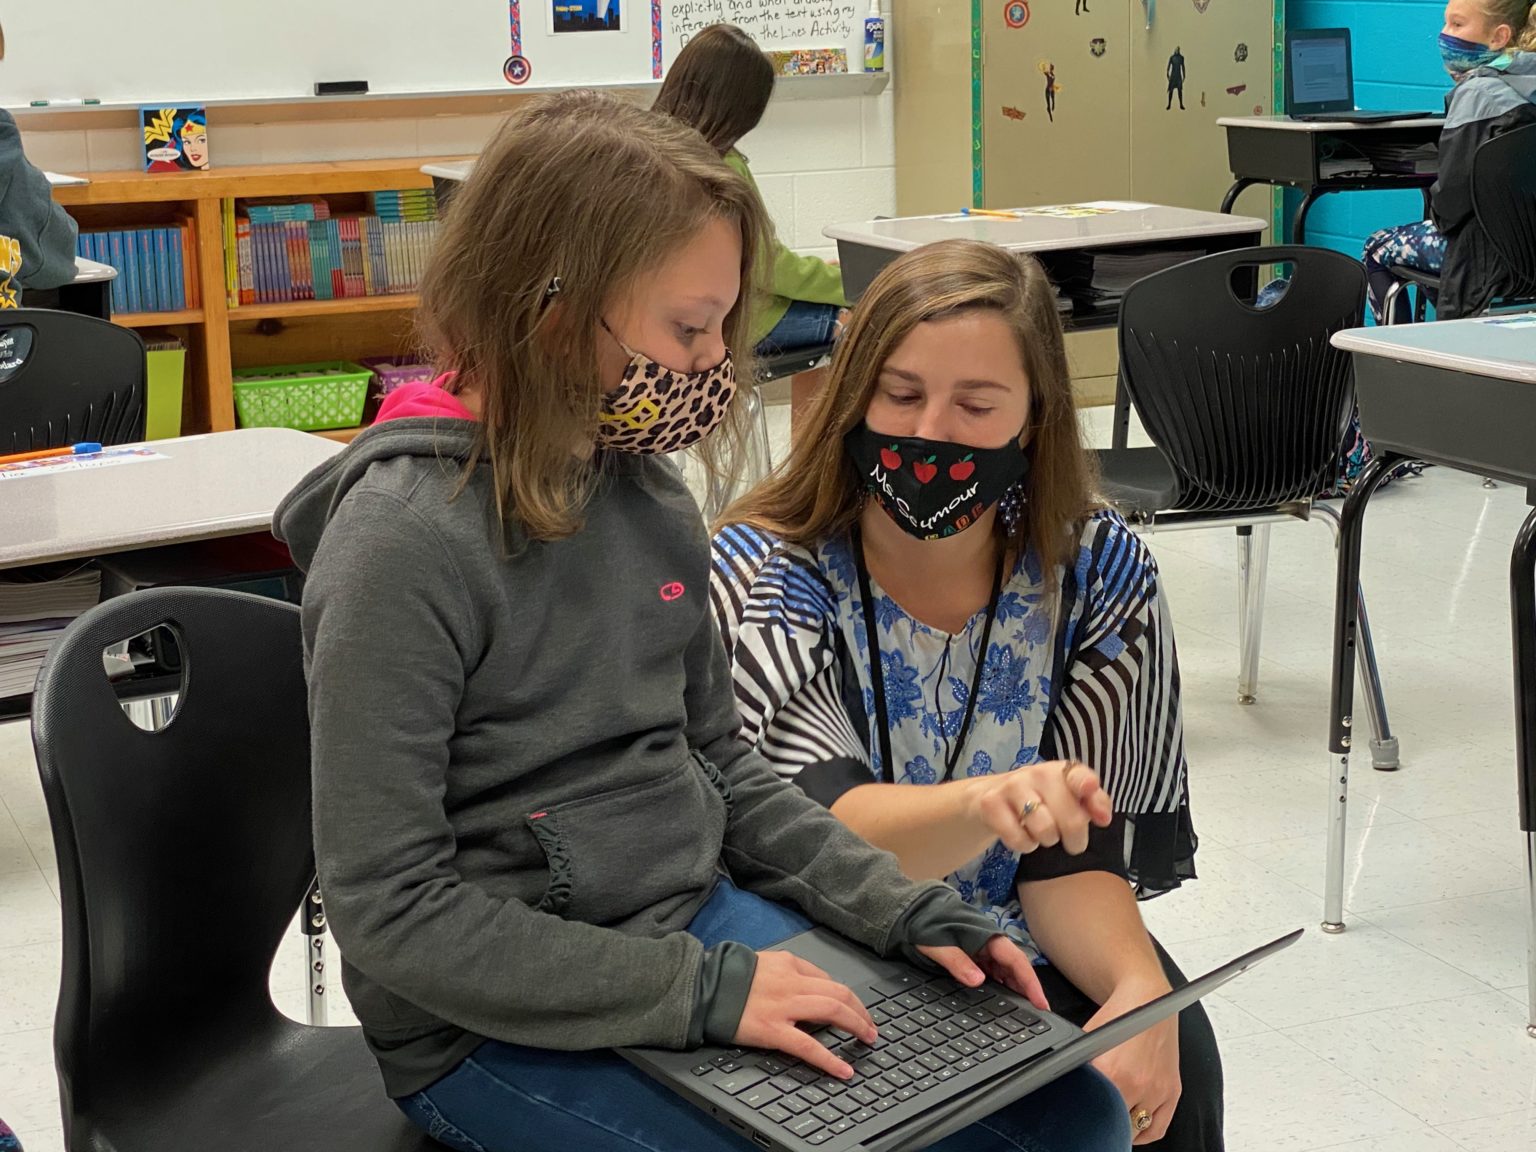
point(1089, 927)
point(931, 829)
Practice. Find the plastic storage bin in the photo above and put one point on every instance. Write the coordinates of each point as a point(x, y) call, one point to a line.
point(394, 373)
point(309, 397)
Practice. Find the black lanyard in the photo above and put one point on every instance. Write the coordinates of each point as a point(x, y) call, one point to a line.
point(877, 673)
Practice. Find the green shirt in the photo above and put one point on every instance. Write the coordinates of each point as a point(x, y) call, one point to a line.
point(791, 277)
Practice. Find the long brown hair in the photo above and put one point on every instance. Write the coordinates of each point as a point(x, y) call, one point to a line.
point(719, 84)
point(1520, 15)
point(575, 199)
point(816, 494)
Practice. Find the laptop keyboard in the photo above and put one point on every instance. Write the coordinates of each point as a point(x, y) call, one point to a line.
point(930, 1032)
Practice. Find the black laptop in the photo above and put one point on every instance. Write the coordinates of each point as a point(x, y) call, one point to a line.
point(946, 1057)
point(1320, 79)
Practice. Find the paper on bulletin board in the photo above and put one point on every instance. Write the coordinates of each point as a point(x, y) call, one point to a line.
point(53, 465)
point(573, 42)
point(774, 24)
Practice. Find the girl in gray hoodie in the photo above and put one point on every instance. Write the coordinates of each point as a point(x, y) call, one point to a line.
point(538, 833)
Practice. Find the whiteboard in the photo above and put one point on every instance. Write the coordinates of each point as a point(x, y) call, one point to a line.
point(202, 52)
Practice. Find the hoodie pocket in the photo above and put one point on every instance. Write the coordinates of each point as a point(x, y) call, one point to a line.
point(632, 850)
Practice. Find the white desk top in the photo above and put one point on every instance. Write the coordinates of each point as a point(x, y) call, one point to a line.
point(456, 170)
point(91, 272)
point(1124, 223)
point(222, 484)
point(1503, 348)
point(1286, 124)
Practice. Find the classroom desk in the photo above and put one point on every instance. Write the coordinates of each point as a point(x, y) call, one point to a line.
point(1290, 153)
point(90, 293)
point(1462, 394)
point(196, 488)
point(1060, 243)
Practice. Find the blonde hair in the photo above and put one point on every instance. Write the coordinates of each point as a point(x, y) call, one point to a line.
point(1520, 15)
point(585, 190)
point(816, 494)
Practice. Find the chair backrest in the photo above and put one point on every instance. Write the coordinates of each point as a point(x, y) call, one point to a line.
point(1249, 404)
point(66, 379)
point(1504, 198)
point(183, 853)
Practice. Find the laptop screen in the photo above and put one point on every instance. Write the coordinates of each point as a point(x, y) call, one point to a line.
point(1319, 76)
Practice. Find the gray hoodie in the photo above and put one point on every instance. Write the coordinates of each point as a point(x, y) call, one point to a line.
point(527, 776)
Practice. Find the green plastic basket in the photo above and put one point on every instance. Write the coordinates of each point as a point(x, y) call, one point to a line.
point(309, 397)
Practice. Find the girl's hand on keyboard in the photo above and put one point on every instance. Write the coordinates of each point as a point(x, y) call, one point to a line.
point(1001, 960)
point(787, 991)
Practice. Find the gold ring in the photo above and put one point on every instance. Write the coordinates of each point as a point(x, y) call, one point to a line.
point(1028, 810)
point(1141, 1120)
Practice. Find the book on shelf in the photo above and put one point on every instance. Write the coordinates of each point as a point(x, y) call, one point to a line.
point(156, 271)
point(298, 250)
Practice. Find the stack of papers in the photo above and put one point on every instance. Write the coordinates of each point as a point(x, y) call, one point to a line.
point(36, 605)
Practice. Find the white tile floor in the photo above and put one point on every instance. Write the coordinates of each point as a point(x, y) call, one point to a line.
point(1406, 1034)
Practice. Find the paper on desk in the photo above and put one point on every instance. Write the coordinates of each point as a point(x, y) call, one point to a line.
point(1521, 321)
point(53, 465)
point(56, 179)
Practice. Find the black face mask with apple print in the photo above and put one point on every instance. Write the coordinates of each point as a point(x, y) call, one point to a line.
point(933, 488)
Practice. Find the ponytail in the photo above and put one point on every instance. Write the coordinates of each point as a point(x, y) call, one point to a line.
point(1519, 15)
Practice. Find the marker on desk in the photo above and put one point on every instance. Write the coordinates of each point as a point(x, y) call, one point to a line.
point(989, 212)
point(86, 449)
point(62, 103)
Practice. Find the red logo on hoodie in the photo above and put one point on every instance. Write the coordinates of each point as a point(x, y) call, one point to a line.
point(672, 591)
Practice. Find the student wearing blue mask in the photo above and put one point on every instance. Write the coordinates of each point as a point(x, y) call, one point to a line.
point(937, 632)
point(1489, 48)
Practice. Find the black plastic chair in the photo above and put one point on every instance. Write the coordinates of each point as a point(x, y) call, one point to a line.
point(1504, 202)
point(166, 1039)
point(1247, 409)
point(68, 379)
point(1504, 198)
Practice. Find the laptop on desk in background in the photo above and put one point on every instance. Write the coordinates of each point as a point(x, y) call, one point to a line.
point(1320, 79)
point(946, 1056)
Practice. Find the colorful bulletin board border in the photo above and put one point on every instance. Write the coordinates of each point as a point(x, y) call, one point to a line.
point(655, 39)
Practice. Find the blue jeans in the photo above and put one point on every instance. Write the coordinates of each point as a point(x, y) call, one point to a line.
point(507, 1098)
point(805, 325)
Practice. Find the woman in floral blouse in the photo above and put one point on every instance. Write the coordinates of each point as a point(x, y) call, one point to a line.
point(927, 593)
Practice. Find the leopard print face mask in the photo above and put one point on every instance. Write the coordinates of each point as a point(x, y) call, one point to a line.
point(656, 410)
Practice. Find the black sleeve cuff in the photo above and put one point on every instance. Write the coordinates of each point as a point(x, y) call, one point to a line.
point(1154, 851)
point(724, 984)
point(826, 781)
point(939, 918)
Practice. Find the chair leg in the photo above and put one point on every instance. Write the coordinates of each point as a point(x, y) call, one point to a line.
point(1386, 754)
point(1389, 305)
point(312, 923)
point(1253, 562)
point(755, 463)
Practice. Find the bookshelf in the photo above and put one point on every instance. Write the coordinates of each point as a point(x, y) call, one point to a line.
point(219, 338)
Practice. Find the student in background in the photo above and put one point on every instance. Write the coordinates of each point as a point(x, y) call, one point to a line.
point(538, 832)
point(720, 84)
point(28, 214)
point(936, 632)
point(1489, 48)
